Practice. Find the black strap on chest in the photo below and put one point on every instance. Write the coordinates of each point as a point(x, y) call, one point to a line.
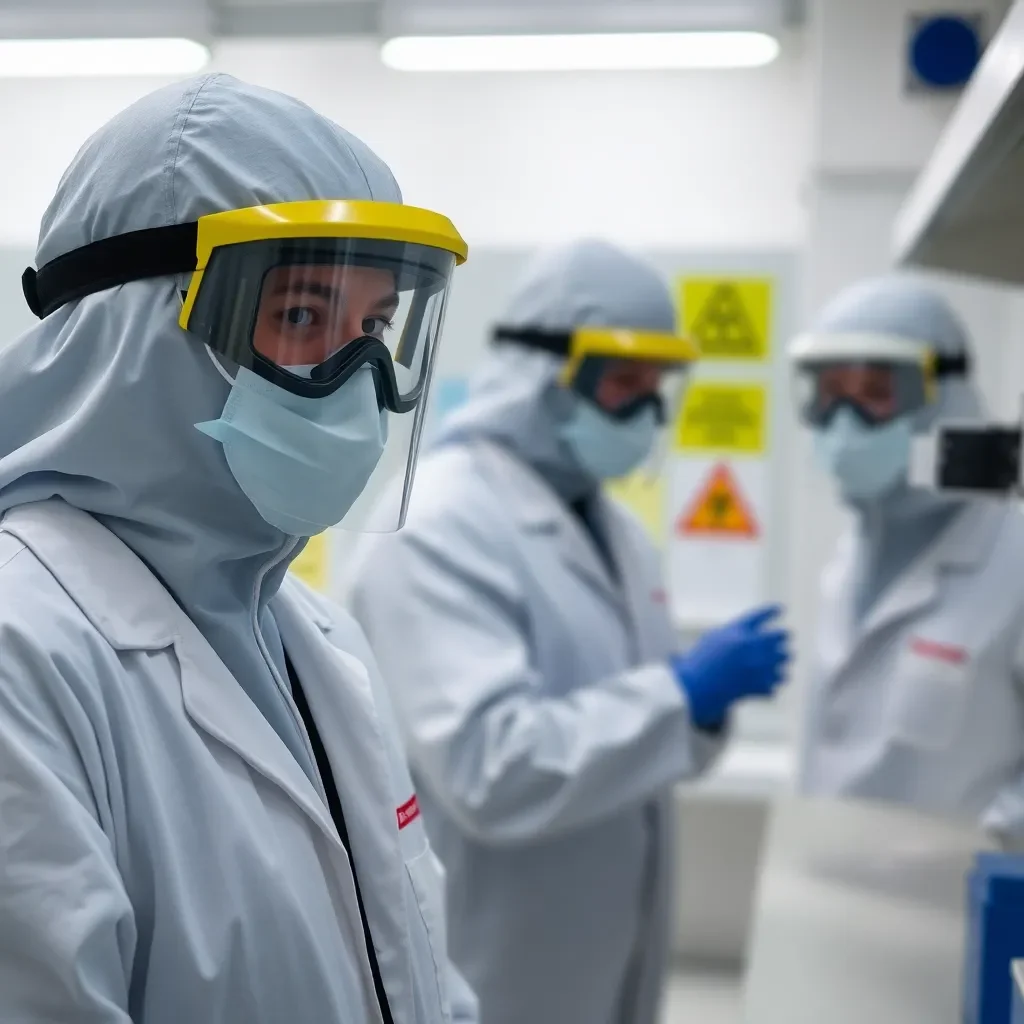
point(586, 511)
point(334, 806)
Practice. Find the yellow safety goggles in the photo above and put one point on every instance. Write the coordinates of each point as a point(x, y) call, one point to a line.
point(620, 369)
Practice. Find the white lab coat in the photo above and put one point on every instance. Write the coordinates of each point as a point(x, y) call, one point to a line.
point(545, 730)
point(163, 857)
point(922, 704)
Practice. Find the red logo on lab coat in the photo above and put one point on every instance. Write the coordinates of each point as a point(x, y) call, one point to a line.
point(940, 652)
point(659, 596)
point(408, 812)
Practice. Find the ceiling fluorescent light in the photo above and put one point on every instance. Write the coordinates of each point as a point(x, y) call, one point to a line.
point(78, 58)
point(629, 51)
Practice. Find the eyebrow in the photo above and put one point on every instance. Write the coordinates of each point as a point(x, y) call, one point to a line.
point(326, 291)
point(323, 291)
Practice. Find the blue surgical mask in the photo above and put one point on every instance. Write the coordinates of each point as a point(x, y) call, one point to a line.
point(606, 448)
point(868, 462)
point(302, 462)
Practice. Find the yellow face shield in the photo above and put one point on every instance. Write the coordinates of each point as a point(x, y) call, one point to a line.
point(306, 293)
point(618, 369)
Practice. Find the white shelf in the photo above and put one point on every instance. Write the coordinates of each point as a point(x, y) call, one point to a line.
point(965, 213)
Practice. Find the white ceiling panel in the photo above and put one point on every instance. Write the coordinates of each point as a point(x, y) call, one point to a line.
point(231, 18)
point(70, 19)
point(464, 16)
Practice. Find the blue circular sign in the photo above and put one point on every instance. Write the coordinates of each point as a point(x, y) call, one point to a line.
point(945, 50)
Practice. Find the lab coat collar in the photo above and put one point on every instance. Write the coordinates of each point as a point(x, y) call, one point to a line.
point(112, 588)
point(314, 609)
point(539, 511)
point(132, 610)
point(970, 537)
point(964, 544)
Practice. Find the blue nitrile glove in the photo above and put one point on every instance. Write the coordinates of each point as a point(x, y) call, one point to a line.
point(740, 659)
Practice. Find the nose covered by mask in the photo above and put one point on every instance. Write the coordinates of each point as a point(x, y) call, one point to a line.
point(606, 448)
point(302, 462)
point(867, 462)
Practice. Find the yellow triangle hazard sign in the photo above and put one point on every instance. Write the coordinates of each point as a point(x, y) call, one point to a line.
point(722, 326)
point(719, 508)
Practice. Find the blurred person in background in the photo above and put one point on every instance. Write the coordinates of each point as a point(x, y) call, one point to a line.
point(917, 689)
point(521, 621)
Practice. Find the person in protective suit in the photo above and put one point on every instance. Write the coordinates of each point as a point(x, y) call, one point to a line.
point(205, 815)
point(522, 625)
point(916, 691)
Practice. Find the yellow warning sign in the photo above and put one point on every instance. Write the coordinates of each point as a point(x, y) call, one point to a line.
point(730, 318)
point(723, 416)
point(719, 508)
point(312, 564)
point(644, 495)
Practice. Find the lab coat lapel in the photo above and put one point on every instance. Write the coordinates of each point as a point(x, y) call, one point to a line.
point(340, 696)
point(217, 704)
point(914, 591)
point(836, 627)
point(634, 586)
point(961, 546)
point(552, 526)
point(578, 550)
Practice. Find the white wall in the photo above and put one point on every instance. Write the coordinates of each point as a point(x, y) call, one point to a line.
point(709, 159)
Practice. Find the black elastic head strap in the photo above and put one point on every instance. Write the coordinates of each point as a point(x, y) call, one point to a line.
point(558, 343)
point(152, 252)
point(952, 366)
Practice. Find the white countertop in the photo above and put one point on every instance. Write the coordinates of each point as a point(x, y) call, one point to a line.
point(749, 769)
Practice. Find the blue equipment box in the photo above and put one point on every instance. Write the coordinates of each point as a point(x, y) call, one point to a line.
point(995, 937)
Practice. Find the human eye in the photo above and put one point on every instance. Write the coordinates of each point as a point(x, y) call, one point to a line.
point(375, 326)
point(299, 316)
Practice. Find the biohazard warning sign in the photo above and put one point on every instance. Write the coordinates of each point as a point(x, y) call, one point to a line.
point(719, 508)
point(730, 318)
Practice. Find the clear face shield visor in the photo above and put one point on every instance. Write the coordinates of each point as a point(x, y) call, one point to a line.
point(878, 378)
point(875, 392)
point(314, 296)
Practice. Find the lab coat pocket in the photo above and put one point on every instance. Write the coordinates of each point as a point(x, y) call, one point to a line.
point(426, 874)
point(928, 699)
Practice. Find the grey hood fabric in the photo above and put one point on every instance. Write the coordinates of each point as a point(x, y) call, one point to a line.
point(902, 305)
point(100, 400)
point(896, 529)
point(514, 399)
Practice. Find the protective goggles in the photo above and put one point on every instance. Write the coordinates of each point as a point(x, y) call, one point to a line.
point(878, 377)
point(304, 295)
point(621, 371)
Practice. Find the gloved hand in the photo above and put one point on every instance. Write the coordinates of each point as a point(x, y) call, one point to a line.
point(740, 659)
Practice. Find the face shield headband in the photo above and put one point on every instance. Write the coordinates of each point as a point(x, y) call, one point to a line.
point(622, 371)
